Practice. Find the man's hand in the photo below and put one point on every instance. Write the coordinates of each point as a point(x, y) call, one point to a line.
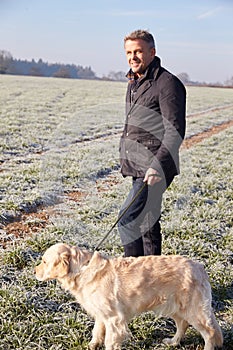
point(152, 177)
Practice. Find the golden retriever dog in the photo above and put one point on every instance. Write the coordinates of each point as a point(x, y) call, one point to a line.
point(114, 290)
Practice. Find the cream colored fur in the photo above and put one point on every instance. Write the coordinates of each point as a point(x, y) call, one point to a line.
point(115, 290)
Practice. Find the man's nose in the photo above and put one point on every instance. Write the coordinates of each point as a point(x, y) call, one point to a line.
point(134, 57)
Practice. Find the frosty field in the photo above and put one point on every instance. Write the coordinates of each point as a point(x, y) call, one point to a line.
point(60, 181)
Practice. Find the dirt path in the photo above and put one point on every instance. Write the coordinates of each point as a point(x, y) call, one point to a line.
point(28, 224)
point(193, 140)
point(212, 109)
point(96, 139)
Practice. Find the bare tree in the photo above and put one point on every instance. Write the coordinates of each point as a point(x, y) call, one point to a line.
point(5, 61)
point(229, 82)
point(184, 77)
point(63, 72)
point(117, 76)
point(35, 71)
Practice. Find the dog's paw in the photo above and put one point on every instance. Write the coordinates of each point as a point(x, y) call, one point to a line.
point(93, 345)
point(170, 341)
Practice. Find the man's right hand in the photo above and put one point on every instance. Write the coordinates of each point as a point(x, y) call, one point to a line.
point(152, 177)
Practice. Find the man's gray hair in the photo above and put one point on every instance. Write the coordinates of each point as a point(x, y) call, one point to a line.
point(143, 35)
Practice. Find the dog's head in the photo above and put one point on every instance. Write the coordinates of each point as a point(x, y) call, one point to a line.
point(59, 260)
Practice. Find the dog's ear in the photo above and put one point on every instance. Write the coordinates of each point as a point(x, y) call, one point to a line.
point(63, 266)
point(65, 258)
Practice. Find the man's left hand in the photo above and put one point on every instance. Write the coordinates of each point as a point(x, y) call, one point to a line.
point(152, 177)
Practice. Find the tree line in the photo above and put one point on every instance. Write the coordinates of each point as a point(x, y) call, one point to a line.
point(10, 65)
point(184, 77)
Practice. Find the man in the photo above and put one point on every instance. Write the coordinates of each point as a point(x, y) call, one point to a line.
point(149, 146)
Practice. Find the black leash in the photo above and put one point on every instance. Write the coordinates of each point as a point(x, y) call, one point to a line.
point(122, 214)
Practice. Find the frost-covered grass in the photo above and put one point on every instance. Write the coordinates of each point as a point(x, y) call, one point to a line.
point(196, 221)
point(196, 125)
point(43, 124)
point(204, 98)
point(196, 217)
point(39, 113)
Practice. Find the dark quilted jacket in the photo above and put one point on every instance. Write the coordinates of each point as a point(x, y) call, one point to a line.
point(155, 123)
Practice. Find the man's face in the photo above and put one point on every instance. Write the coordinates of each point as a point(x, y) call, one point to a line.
point(139, 55)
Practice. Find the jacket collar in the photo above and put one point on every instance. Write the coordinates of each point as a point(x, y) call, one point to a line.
point(144, 83)
point(150, 72)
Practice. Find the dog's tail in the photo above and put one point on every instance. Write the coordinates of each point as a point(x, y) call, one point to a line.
point(218, 337)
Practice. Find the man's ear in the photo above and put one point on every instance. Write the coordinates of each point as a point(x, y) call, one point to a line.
point(153, 51)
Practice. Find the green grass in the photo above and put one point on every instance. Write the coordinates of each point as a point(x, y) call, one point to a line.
point(196, 222)
point(196, 215)
point(43, 124)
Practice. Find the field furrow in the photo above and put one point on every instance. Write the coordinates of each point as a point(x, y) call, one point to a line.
point(79, 146)
point(60, 181)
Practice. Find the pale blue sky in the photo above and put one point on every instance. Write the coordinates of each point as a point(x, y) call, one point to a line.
point(193, 36)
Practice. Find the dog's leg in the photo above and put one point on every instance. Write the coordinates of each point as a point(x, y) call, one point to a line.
point(204, 321)
point(202, 318)
point(206, 332)
point(98, 335)
point(181, 326)
point(212, 334)
point(116, 332)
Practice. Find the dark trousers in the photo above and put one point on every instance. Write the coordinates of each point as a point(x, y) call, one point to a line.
point(139, 228)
